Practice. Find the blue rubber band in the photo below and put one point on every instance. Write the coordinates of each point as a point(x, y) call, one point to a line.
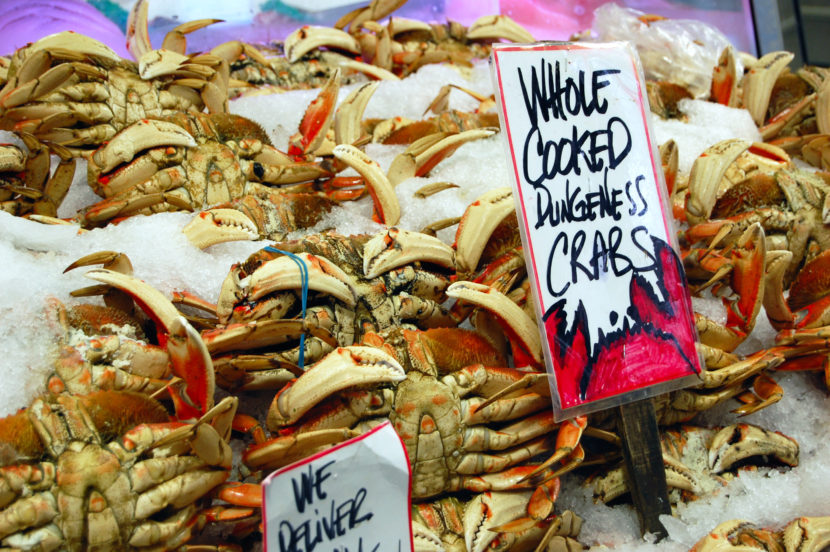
point(304, 279)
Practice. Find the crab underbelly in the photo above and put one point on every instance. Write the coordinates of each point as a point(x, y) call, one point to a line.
point(427, 416)
point(93, 498)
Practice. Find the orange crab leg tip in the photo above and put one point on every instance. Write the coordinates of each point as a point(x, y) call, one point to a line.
point(242, 494)
point(518, 525)
point(249, 425)
point(722, 90)
point(571, 431)
point(543, 498)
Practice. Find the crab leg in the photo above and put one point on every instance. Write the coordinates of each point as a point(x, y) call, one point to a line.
point(260, 333)
point(517, 477)
point(156, 195)
point(482, 438)
point(188, 355)
point(476, 462)
point(748, 259)
point(282, 451)
point(375, 11)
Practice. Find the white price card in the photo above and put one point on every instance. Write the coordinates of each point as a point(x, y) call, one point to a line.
point(354, 497)
point(609, 287)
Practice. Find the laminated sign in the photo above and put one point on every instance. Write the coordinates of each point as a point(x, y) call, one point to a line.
point(353, 497)
point(610, 291)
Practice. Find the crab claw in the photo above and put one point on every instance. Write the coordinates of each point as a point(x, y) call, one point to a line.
point(739, 441)
point(506, 515)
point(748, 258)
point(396, 247)
point(189, 357)
point(720, 538)
point(809, 298)
point(477, 225)
point(758, 82)
point(521, 331)
point(347, 119)
point(124, 146)
point(138, 36)
point(807, 533)
point(309, 37)
point(218, 226)
point(175, 40)
point(498, 26)
point(724, 88)
point(317, 119)
point(283, 273)
point(387, 208)
point(112, 260)
point(424, 154)
point(567, 441)
point(156, 63)
point(342, 368)
point(706, 175)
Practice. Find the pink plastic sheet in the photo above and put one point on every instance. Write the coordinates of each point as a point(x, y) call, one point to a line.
point(255, 21)
point(24, 21)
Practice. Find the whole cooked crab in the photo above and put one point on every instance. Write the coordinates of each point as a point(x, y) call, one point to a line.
point(70, 89)
point(106, 346)
point(189, 161)
point(803, 534)
point(354, 284)
point(107, 471)
point(447, 395)
point(700, 460)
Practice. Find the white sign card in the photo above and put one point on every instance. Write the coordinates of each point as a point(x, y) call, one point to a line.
point(610, 290)
point(354, 497)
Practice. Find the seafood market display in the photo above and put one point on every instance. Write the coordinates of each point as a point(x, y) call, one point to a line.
point(223, 262)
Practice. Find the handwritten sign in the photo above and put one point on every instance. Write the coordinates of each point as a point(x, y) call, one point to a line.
point(350, 498)
point(610, 291)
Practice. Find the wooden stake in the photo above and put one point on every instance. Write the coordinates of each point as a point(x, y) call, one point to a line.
point(644, 465)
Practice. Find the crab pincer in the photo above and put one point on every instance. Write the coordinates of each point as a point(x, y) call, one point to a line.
point(189, 357)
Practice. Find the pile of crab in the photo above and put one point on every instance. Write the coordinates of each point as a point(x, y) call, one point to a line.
point(140, 440)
